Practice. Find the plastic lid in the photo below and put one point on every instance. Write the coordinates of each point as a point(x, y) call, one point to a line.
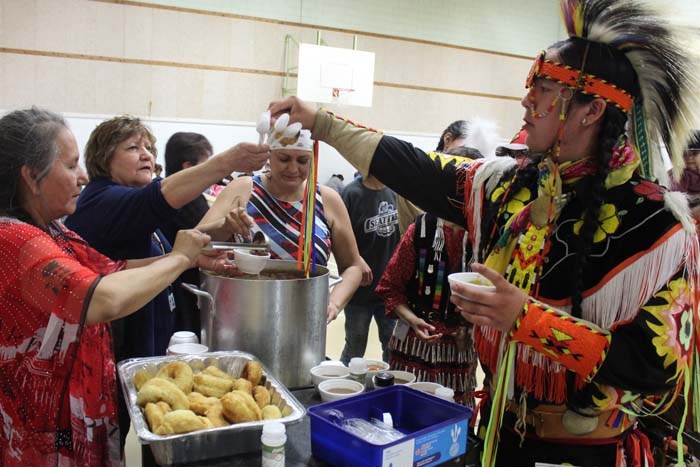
point(358, 365)
point(445, 393)
point(274, 428)
point(383, 379)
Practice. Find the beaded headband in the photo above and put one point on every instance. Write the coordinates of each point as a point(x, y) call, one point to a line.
point(584, 83)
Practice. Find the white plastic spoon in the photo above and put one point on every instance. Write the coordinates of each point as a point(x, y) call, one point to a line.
point(263, 126)
point(292, 130)
point(280, 125)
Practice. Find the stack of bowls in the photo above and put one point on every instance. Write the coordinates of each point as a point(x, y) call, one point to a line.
point(185, 343)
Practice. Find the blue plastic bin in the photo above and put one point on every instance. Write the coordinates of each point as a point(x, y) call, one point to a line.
point(436, 430)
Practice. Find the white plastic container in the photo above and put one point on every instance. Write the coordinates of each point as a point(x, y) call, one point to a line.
point(358, 370)
point(273, 439)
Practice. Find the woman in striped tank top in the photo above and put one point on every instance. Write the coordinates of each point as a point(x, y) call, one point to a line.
point(274, 202)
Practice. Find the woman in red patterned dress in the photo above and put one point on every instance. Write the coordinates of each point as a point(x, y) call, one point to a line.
point(57, 295)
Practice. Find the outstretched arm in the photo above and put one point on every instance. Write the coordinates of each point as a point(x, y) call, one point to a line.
point(230, 205)
point(428, 180)
point(185, 185)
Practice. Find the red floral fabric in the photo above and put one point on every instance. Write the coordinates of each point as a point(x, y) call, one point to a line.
point(57, 375)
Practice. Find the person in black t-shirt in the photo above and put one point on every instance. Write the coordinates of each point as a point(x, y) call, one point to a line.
point(372, 209)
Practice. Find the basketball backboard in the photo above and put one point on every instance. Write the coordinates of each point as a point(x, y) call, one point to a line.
point(335, 75)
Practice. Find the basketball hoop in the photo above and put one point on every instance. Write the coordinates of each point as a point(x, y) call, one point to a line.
point(333, 75)
point(338, 93)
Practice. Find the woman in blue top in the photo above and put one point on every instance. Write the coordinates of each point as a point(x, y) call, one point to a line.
point(121, 210)
point(273, 202)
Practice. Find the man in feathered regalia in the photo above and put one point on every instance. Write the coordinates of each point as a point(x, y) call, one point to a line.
point(595, 266)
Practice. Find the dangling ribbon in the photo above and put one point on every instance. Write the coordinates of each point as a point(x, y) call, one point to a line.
point(306, 254)
point(499, 401)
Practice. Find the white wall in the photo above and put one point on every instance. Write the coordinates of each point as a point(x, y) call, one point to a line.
point(511, 26)
point(223, 134)
point(146, 59)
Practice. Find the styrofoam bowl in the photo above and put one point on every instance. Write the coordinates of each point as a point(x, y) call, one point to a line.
point(348, 387)
point(249, 263)
point(187, 348)
point(425, 386)
point(331, 362)
point(473, 280)
point(402, 377)
point(183, 337)
point(324, 372)
point(374, 366)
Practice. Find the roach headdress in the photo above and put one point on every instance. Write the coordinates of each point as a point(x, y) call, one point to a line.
point(666, 67)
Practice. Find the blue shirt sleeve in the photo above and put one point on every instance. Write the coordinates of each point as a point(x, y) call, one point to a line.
point(109, 215)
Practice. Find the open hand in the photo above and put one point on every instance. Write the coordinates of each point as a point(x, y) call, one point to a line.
point(216, 261)
point(424, 330)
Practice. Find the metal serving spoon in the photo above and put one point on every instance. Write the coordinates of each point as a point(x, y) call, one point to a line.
point(259, 241)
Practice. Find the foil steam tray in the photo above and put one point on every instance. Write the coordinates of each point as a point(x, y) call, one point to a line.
point(212, 442)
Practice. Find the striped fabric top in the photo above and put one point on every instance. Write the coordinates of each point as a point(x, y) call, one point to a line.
point(281, 220)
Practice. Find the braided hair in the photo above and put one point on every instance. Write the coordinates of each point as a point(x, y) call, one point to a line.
point(612, 65)
point(524, 176)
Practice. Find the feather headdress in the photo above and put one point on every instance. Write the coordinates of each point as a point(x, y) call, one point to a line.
point(666, 65)
point(482, 136)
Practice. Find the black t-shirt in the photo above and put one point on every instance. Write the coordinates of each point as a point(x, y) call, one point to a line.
point(375, 223)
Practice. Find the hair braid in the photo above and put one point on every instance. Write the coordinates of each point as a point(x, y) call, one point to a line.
point(590, 192)
point(523, 177)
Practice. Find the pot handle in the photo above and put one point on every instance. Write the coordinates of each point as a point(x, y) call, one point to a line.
point(334, 280)
point(201, 294)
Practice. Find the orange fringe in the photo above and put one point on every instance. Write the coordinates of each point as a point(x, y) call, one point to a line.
point(543, 384)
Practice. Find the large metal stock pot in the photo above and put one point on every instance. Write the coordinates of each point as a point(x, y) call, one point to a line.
point(281, 321)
